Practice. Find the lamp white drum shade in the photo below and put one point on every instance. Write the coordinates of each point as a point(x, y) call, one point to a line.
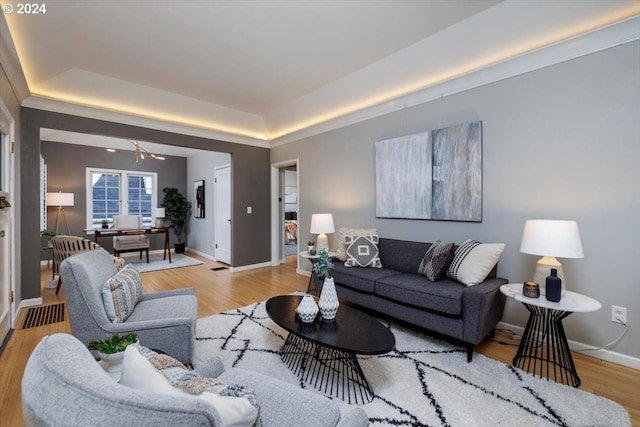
point(551, 238)
point(60, 199)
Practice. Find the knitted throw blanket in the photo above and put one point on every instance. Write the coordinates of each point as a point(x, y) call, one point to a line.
point(181, 377)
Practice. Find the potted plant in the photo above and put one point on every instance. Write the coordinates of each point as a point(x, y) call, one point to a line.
point(105, 223)
point(111, 350)
point(177, 209)
point(323, 265)
point(328, 302)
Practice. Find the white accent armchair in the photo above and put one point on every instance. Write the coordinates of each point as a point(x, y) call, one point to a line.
point(133, 242)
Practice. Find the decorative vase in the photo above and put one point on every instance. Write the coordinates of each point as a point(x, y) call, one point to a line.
point(307, 309)
point(553, 286)
point(329, 299)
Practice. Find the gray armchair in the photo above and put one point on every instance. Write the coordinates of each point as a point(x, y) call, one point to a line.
point(164, 321)
point(63, 385)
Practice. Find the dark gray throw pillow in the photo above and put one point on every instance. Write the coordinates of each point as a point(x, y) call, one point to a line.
point(436, 261)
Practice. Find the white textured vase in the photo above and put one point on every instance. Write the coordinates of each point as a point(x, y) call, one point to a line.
point(113, 361)
point(329, 299)
point(307, 309)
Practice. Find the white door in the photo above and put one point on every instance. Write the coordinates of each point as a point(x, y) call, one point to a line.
point(222, 197)
point(5, 243)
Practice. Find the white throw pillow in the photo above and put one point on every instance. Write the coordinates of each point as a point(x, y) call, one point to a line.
point(342, 245)
point(473, 261)
point(121, 293)
point(139, 373)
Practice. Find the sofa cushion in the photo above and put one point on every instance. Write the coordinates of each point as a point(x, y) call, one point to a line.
point(362, 251)
point(443, 296)
point(342, 246)
point(139, 373)
point(436, 261)
point(401, 255)
point(120, 294)
point(474, 261)
point(359, 278)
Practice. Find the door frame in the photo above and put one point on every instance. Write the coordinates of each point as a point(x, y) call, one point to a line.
point(7, 126)
point(277, 211)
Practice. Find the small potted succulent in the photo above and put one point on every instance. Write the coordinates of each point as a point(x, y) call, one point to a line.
point(105, 223)
point(111, 350)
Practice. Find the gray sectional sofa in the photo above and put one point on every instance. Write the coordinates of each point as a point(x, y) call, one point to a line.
point(467, 314)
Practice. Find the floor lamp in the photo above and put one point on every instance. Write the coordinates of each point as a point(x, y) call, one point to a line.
point(60, 200)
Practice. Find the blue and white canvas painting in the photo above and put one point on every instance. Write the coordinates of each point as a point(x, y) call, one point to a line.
point(431, 175)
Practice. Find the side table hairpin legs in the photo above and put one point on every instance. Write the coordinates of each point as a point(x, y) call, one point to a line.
point(544, 349)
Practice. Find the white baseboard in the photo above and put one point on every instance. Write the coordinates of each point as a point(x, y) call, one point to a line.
point(250, 266)
point(588, 350)
point(303, 272)
point(202, 254)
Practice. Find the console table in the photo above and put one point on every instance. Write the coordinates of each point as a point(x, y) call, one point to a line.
point(110, 232)
point(544, 348)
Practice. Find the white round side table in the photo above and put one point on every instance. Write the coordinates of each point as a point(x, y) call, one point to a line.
point(544, 349)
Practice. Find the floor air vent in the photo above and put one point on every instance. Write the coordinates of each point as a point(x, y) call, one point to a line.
point(43, 315)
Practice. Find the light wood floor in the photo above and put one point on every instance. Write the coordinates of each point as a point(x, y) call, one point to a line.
point(221, 290)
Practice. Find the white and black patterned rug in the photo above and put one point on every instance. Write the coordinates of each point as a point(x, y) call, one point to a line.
point(423, 382)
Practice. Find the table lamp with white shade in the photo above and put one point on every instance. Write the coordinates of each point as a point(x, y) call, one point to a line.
point(60, 200)
point(159, 215)
point(550, 239)
point(321, 224)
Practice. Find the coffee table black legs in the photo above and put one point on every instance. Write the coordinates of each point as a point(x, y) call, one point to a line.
point(332, 372)
point(544, 348)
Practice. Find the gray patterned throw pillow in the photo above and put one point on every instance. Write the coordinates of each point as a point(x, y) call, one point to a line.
point(436, 261)
point(362, 251)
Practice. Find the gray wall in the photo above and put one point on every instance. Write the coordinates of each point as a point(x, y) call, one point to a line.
point(66, 172)
point(202, 230)
point(562, 142)
point(249, 176)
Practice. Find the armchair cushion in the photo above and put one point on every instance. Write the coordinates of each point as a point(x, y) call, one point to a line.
point(139, 373)
point(121, 293)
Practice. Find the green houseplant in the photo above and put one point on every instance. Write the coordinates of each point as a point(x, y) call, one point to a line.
point(111, 350)
point(177, 209)
point(323, 265)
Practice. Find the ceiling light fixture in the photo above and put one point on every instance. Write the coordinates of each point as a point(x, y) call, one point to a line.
point(138, 151)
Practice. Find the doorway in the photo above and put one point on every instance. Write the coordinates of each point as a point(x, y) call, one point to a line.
point(285, 207)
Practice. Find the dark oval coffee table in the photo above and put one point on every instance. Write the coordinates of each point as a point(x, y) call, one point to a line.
point(323, 353)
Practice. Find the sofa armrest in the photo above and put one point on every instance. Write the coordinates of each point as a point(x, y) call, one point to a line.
point(164, 294)
point(482, 307)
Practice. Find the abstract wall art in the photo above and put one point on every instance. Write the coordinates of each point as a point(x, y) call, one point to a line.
point(198, 199)
point(434, 175)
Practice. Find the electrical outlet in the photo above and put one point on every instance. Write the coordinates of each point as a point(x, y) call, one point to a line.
point(619, 314)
